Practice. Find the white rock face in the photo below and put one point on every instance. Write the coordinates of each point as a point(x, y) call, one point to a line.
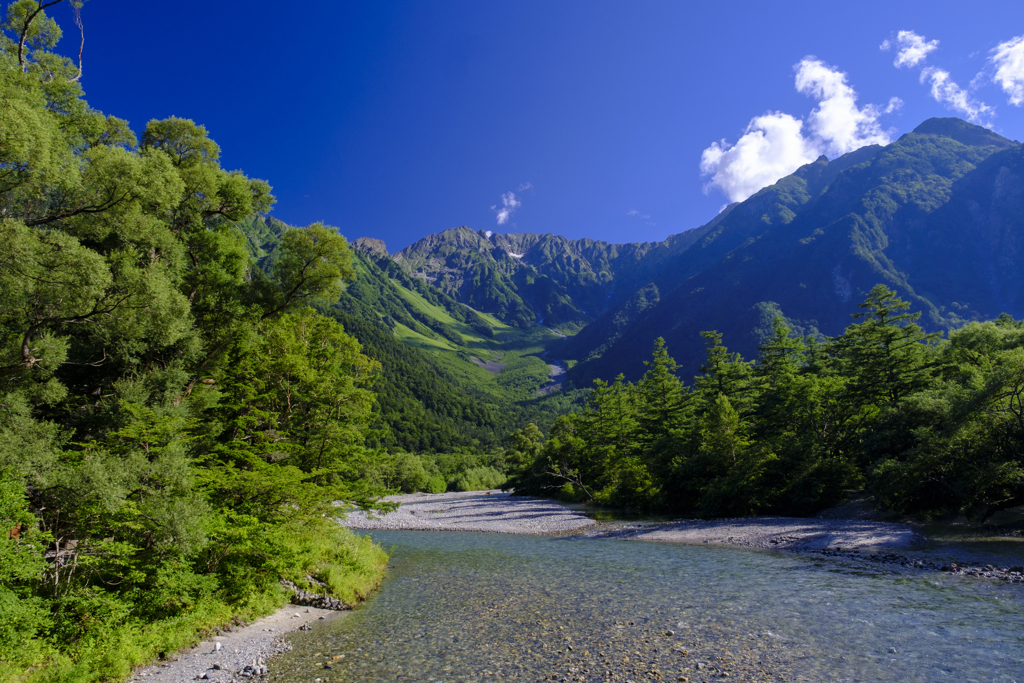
point(516, 255)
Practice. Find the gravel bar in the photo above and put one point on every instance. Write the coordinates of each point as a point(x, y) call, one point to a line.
point(789, 533)
point(494, 511)
point(240, 653)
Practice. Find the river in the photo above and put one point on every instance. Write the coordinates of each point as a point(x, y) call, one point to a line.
point(469, 606)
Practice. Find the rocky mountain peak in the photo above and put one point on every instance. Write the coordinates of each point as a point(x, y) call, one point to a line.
point(371, 246)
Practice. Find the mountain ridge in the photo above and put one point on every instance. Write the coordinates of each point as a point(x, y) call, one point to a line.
point(808, 246)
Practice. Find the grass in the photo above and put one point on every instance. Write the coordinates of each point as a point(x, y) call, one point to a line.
point(416, 340)
point(470, 337)
point(520, 350)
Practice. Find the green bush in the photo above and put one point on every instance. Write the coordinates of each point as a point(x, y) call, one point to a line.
point(437, 484)
point(410, 475)
point(480, 479)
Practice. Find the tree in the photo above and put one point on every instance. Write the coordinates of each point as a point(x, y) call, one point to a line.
point(885, 355)
point(176, 424)
point(723, 373)
point(661, 395)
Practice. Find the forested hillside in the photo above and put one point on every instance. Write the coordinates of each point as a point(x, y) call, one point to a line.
point(930, 426)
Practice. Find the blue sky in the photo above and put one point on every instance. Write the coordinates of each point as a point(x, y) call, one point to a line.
point(397, 120)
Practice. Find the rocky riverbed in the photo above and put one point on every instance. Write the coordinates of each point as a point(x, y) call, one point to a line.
point(1011, 574)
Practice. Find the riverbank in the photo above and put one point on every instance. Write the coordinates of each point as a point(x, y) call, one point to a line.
point(237, 654)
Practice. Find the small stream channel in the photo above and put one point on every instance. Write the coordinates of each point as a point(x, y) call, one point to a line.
point(463, 606)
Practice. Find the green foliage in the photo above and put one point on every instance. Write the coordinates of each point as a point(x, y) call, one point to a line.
point(931, 427)
point(479, 479)
point(177, 423)
point(462, 470)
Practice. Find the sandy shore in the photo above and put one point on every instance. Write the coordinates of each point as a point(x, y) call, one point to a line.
point(494, 511)
point(248, 646)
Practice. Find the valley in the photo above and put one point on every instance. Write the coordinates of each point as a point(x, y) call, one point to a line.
point(195, 395)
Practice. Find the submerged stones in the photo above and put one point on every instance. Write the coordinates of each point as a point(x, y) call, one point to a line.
point(1013, 574)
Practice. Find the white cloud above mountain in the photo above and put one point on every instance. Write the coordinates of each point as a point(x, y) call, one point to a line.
point(837, 123)
point(913, 49)
point(775, 144)
point(509, 204)
point(946, 91)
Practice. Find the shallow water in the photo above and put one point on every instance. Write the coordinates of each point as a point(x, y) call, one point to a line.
point(473, 606)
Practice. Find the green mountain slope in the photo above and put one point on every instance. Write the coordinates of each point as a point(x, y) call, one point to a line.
point(935, 215)
point(436, 392)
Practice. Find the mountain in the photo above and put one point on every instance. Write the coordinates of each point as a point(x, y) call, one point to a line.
point(526, 279)
point(936, 215)
point(459, 320)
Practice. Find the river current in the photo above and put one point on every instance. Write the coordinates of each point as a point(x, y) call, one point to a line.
point(491, 607)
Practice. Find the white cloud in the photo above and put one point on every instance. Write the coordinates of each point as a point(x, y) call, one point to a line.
point(837, 122)
point(776, 144)
point(1008, 58)
point(884, 47)
point(524, 187)
point(771, 147)
point(637, 214)
point(488, 234)
point(946, 91)
point(913, 49)
point(509, 204)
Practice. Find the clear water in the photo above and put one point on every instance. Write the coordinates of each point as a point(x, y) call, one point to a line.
point(474, 606)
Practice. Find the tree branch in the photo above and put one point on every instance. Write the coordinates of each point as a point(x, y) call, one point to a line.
point(100, 207)
point(24, 30)
point(81, 29)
